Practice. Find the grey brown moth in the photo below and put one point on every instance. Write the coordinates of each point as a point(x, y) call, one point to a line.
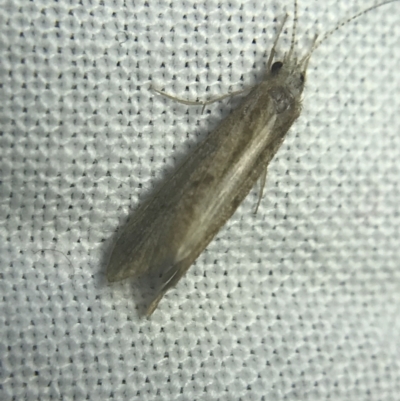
point(168, 232)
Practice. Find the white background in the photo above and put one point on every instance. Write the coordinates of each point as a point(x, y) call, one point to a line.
point(300, 302)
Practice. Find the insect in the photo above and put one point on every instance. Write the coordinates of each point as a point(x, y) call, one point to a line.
point(169, 231)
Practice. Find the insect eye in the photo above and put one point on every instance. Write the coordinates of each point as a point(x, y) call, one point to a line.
point(276, 67)
point(302, 78)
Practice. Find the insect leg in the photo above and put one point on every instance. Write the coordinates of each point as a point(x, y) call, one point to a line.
point(170, 278)
point(263, 180)
point(202, 103)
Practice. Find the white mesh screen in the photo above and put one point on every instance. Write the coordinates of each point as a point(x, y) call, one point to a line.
point(300, 302)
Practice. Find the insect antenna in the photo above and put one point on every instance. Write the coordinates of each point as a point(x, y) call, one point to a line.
point(340, 25)
point(294, 27)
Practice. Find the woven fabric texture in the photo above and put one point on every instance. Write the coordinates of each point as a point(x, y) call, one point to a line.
point(298, 302)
